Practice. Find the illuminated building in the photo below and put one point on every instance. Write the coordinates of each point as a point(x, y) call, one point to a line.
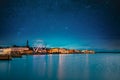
point(5, 51)
point(87, 51)
point(54, 50)
point(19, 48)
point(63, 51)
point(71, 51)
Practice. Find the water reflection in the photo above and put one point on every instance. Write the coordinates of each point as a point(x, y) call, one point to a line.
point(62, 67)
point(74, 67)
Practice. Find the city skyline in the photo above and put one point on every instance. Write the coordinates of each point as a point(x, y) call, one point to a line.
point(78, 24)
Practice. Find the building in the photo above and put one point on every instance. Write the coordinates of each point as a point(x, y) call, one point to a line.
point(63, 51)
point(88, 51)
point(58, 50)
point(13, 49)
point(5, 51)
point(77, 51)
point(19, 49)
point(53, 50)
point(71, 51)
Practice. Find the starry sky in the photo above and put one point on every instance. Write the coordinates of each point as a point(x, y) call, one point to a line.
point(79, 24)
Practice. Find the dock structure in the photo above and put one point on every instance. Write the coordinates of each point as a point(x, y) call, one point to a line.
point(12, 52)
point(5, 54)
point(5, 57)
point(16, 54)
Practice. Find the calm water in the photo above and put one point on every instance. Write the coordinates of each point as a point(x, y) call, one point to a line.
point(62, 67)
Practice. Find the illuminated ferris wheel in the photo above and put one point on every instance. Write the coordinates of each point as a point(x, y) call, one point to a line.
point(38, 45)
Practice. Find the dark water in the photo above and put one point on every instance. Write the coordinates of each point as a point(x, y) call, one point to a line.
point(62, 67)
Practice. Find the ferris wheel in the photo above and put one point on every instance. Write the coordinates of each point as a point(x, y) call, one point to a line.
point(38, 45)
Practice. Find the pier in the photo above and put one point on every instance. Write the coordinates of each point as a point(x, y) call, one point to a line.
point(5, 57)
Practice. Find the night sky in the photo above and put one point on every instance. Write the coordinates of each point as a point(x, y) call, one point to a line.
point(79, 24)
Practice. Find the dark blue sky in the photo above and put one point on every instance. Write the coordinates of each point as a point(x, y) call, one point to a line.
point(80, 24)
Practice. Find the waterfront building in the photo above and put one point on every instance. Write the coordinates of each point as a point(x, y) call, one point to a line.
point(54, 50)
point(88, 51)
point(77, 51)
point(5, 51)
point(71, 51)
point(13, 49)
point(58, 50)
point(63, 51)
point(19, 48)
point(42, 51)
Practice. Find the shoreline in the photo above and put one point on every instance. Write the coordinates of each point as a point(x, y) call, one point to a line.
point(5, 57)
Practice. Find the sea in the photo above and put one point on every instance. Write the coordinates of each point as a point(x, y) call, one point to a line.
point(102, 66)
